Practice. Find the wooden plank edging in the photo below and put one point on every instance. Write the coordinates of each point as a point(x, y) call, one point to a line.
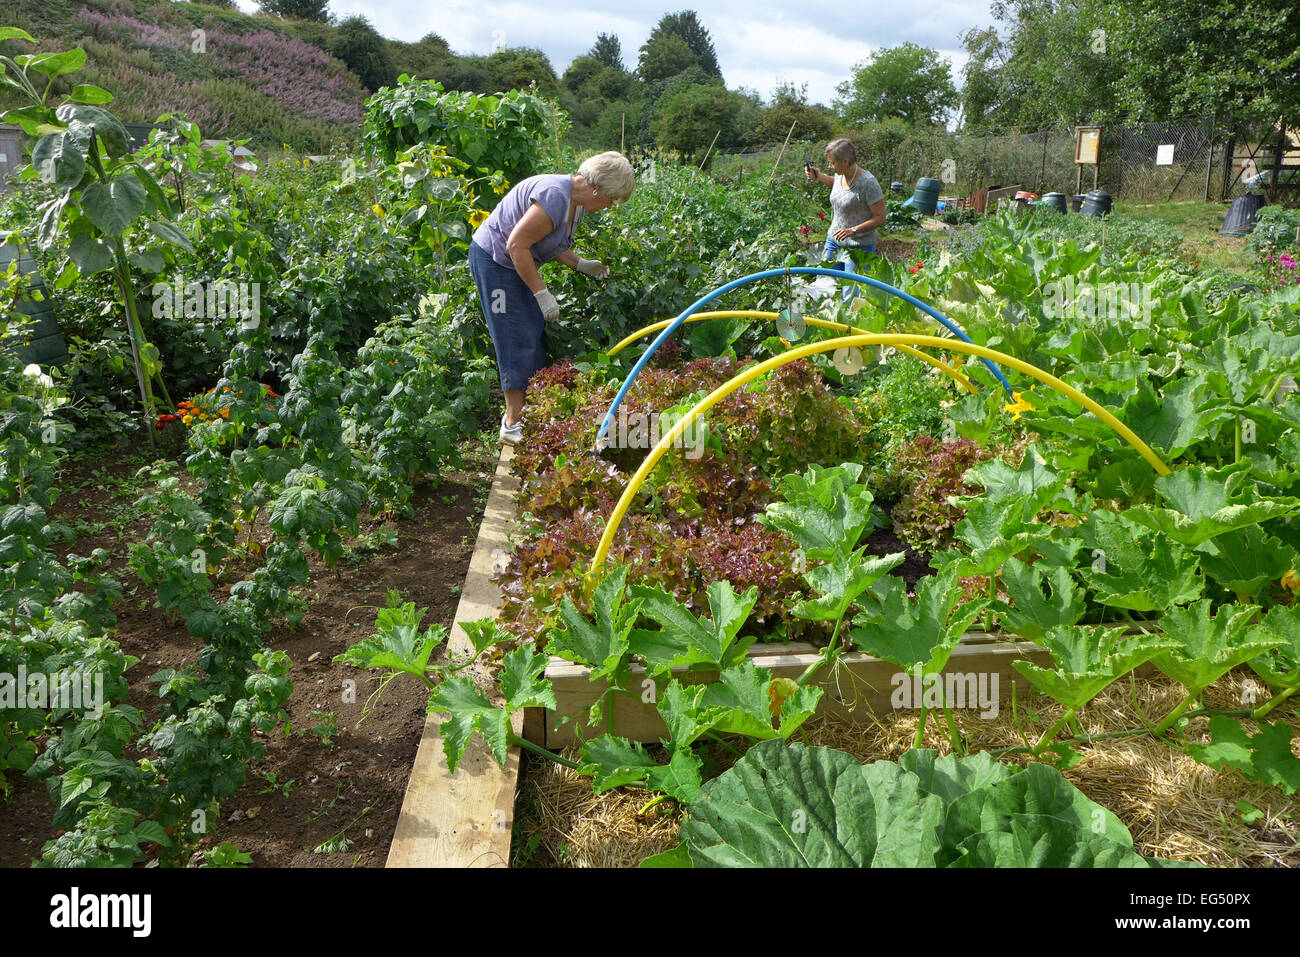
point(861, 683)
point(464, 819)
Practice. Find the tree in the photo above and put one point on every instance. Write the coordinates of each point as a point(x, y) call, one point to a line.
point(1237, 58)
point(608, 50)
point(910, 82)
point(516, 67)
point(687, 26)
point(664, 57)
point(297, 9)
point(422, 58)
point(619, 122)
point(981, 79)
point(1049, 67)
point(790, 106)
point(688, 119)
point(365, 52)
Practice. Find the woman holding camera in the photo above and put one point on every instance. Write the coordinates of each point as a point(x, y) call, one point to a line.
point(532, 225)
point(856, 198)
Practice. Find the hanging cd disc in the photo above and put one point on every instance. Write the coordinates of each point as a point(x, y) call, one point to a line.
point(848, 361)
point(790, 324)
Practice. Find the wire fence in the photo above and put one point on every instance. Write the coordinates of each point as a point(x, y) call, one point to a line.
point(1197, 161)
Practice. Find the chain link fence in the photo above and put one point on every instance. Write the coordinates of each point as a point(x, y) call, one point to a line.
point(1199, 167)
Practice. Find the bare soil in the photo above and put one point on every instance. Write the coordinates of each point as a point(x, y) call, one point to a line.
point(312, 786)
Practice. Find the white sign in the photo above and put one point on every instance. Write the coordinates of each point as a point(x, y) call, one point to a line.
point(1165, 155)
point(4, 157)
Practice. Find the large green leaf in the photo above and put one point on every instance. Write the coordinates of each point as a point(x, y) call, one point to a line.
point(602, 645)
point(1281, 666)
point(1031, 613)
point(83, 121)
point(996, 530)
point(825, 510)
point(1186, 413)
point(469, 711)
point(521, 680)
point(1032, 479)
point(793, 806)
point(89, 253)
point(744, 700)
point(1246, 559)
point(1210, 647)
point(615, 762)
point(924, 631)
point(398, 643)
point(1208, 502)
point(54, 64)
point(58, 160)
point(684, 639)
point(1038, 840)
point(1265, 756)
point(1036, 791)
point(114, 204)
point(839, 582)
point(949, 776)
point(1134, 572)
point(1087, 659)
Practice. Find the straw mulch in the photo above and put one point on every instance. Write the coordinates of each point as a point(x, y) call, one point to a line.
point(1174, 806)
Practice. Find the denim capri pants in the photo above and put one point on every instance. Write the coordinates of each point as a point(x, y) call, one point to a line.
point(850, 290)
point(514, 319)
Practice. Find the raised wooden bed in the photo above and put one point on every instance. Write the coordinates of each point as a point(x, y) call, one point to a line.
point(862, 686)
point(463, 819)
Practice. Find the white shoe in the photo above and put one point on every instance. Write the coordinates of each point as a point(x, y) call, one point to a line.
point(512, 434)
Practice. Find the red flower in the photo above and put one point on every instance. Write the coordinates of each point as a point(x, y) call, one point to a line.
point(820, 214)
point(919, 265)
point(804, 230)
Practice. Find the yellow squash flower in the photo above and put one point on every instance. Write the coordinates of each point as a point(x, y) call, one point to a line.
point(1291, 580)
point(1018, 406)
point(379, 211)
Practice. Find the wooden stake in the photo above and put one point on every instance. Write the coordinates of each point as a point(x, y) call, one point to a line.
point(622, 133)
point(710, 149)
point(782, 153)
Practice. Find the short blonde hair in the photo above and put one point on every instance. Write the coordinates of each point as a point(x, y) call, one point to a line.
point(843, 149)
point(610, 173)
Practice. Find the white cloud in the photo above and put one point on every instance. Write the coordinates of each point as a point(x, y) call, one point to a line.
point(759, 42)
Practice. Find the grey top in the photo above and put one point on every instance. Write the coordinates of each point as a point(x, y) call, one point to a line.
point(554, 193)
point(852, 206)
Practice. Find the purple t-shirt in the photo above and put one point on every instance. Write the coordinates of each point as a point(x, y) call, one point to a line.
point(553, 193)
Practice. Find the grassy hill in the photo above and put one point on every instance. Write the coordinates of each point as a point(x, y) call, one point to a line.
point(242, 77)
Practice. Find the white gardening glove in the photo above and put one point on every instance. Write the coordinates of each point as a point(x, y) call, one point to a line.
point(550, 308)
point(593, 268)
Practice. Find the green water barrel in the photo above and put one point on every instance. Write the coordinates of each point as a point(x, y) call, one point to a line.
point(45, 345)
point(1097, 203)
point(1054, 200)
point(926, 196)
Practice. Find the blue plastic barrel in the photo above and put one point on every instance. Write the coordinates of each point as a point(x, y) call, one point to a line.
point(926, 196)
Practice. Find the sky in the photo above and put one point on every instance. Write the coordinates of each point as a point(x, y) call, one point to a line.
point(759, 42)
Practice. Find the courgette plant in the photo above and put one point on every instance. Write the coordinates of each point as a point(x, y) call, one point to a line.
point(105, 204)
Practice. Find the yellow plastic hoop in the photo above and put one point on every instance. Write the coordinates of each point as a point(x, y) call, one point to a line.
point(811, 320)
point(866, 339)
